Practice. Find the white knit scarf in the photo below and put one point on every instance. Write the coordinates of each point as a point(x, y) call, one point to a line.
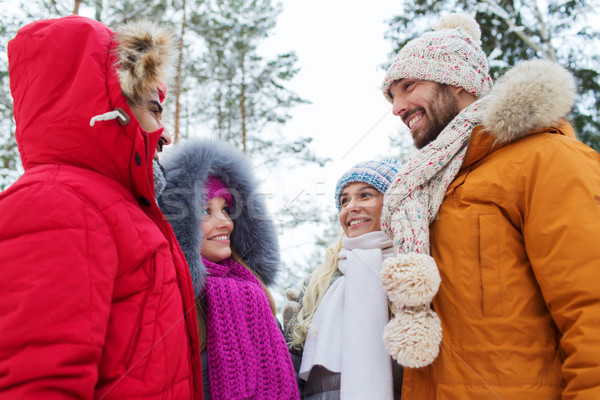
point(411, 278)
point(346, 332)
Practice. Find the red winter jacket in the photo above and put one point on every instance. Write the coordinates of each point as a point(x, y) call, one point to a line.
point(96, 299)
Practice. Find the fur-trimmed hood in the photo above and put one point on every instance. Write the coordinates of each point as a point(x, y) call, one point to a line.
point(68, 71)
point(532, 95)
point(253, 238)
point(144, 56)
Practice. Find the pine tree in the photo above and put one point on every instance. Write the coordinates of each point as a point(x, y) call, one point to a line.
point(514, 30)
point(246, 101)
point(221, 80)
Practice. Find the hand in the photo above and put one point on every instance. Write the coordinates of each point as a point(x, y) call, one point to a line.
point(290, 312)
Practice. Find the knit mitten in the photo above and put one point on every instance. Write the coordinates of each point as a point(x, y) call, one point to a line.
point(290, 312)
point(414, 335)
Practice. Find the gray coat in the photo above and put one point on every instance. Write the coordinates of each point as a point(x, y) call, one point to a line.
point(253, 238)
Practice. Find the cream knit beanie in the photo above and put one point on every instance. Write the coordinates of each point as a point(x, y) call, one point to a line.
point(451, 54)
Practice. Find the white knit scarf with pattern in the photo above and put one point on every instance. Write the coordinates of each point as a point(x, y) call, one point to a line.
point(411, 278)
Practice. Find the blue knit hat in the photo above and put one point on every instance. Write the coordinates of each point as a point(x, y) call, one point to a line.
point(378, 174)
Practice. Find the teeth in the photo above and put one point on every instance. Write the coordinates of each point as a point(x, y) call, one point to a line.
point(356, 221)
point(413, 121)
point(223, 237)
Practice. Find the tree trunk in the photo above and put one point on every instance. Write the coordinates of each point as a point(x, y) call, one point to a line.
point(76, 8)
point(179, 78)
point(243, 104)
point(220, 117)
point(544, 35)
point(98, 12)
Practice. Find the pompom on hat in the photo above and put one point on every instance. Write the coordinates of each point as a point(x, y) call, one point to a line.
point(451, 54)
point(378, 174)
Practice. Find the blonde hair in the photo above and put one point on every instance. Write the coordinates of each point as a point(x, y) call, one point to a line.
point(201, 306)
point(320, 280)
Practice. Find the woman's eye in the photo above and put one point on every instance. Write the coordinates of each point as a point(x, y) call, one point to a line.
point(343, 201)
point(226, 210)
point(206, 211)
point(365, 195)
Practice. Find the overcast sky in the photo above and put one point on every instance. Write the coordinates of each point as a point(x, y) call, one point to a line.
point(340, 46)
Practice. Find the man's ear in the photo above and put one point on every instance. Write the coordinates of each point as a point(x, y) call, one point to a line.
point(456, 90)
point(464, 98)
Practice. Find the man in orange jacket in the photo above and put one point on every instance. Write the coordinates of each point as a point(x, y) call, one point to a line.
point(496, 227)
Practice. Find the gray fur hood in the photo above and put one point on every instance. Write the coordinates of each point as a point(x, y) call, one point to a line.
point(253, 238)
point(532, 95)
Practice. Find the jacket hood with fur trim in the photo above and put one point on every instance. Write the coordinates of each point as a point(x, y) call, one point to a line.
point(532, 95)
point(144, 58)
point(253, 237)
point(64, 72)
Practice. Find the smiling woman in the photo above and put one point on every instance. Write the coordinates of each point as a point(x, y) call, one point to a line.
point(231, 248)
point(216, 225)
point(334, 352)
point(360, 209)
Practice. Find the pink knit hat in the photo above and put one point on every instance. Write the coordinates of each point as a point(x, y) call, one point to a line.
point(216, 188)
point(451, 54)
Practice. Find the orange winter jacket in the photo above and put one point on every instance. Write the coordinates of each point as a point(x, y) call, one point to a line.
point(517, 243)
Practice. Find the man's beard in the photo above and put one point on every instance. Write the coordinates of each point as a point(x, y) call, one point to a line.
point(443, 107)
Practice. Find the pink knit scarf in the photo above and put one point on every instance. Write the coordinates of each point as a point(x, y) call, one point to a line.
point(247, 354)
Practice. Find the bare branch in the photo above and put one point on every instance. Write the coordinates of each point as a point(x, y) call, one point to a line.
point(496, 9)
point(545, 36)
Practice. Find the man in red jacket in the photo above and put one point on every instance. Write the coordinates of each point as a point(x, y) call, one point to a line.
point(96, 300)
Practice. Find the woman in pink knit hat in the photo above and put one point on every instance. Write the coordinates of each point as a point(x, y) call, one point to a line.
point(229, 241)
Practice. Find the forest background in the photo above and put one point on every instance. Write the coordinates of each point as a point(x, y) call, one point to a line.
point(296, 86)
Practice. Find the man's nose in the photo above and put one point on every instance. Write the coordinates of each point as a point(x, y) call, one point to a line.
point(166, 136)
point(399, 106)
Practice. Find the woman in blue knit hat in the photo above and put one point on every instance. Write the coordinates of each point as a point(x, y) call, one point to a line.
point(334, 326)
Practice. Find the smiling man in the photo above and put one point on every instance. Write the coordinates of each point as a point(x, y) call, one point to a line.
point(427, 107)
point(148, 111)
point(95, 295)
point(499, 203)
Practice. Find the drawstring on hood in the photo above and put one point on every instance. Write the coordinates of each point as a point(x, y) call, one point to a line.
point(116, 114)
